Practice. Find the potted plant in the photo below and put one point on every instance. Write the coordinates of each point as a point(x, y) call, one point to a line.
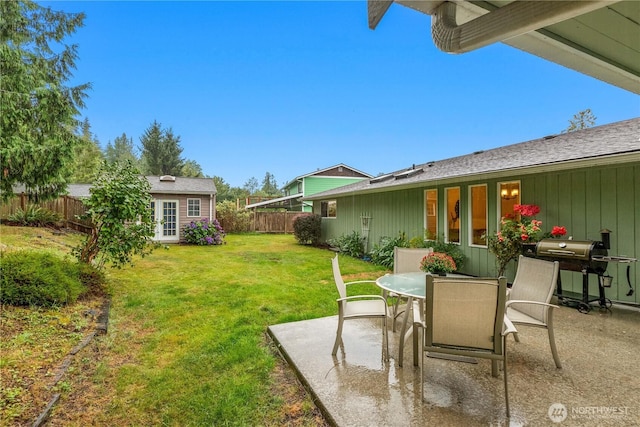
point(438, 263)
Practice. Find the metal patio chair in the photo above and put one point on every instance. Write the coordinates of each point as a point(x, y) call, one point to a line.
point(528, 299)
point(358, 307)
point(405, 260)
point(464, 317)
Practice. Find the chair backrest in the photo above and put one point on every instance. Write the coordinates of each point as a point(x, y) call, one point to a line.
point(407, 260)
point(535, 281)
point(337, 276)
point(465, 314)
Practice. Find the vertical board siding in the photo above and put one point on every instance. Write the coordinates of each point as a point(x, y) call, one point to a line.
point(583, 200)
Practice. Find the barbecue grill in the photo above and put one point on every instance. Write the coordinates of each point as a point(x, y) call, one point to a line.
point(586, 257)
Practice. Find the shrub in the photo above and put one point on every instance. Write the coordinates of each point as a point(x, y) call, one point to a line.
point(306, 229)
point(35, 216)
point(203, 232)
point(119, 211)
point(382, 252)
point(232, 219)
point(450, 249)
point(42, 279)
point(349, 244)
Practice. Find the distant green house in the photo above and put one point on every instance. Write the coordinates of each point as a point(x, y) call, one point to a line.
point(312, 183)
point(585, 180)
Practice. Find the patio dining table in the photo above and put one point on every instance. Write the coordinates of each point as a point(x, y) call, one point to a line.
point(412, 286)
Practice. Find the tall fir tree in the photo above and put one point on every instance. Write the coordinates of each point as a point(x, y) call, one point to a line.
point(39, 109)
point(160, 151)
point(88, 156)
point(269, 185)
point(192, 169)
point(122, 151)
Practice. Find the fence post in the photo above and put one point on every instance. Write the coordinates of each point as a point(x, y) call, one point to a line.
point(65, 211)
point(23, 199)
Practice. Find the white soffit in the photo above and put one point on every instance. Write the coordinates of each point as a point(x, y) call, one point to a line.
point(603, 43)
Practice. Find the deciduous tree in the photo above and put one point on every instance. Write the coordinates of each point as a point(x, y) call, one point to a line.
point(39, 107)
point(119, 209)
point(582, 120)
point(251, 186)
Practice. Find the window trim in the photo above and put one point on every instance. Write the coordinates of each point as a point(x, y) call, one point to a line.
point(328, 202)
point(190, 199)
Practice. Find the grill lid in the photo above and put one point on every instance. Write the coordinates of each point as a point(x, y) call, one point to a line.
point(564, 248)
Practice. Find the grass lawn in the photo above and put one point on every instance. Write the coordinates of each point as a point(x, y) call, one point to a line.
point(186, 343)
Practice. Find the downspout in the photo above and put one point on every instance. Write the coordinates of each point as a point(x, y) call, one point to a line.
point(512, 20)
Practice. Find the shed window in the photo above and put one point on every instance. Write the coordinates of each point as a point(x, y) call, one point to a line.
point(193, 207)
point(328, 209)
point(478, 214)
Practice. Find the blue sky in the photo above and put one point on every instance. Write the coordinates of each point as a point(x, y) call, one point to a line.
point(291, 87)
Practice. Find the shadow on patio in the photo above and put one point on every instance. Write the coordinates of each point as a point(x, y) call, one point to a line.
point(598, 385)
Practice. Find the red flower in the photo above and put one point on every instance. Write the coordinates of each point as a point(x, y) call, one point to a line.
point(527, 210)
point(558, 231)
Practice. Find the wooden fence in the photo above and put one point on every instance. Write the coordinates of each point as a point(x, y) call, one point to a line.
point(69, 208)
point(275, 222)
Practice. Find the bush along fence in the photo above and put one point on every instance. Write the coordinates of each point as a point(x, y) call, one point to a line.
point(69, 208)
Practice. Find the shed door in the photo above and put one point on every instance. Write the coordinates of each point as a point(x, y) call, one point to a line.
point(166, 215)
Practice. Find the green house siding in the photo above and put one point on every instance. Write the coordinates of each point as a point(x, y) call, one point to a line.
point(317, 184)
point(583, 200)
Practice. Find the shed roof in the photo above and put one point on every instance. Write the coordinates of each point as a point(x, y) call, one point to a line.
point(610, 143)
point(180, 185)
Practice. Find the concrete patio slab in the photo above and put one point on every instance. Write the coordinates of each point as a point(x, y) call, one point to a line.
point(599, 384)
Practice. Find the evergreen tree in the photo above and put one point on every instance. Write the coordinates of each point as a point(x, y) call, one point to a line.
point(191, 169)
point(227, 192)
point(121, 151)
point(39, 108)
point(160, 151)
point(171, 161)
point(88, 156)
point(269, 185)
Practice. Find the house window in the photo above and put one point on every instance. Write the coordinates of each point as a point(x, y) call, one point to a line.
point(153, 211)
point(431, 214)
point(509, 196)
point(193, 207)
point(328, 209)
point(299, 187)
point(452, 214)
point(478, 217)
